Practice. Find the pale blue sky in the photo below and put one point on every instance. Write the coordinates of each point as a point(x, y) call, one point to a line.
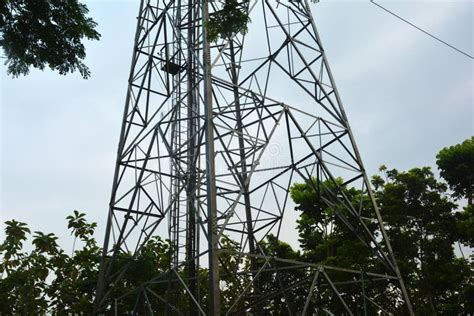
point(406, 96)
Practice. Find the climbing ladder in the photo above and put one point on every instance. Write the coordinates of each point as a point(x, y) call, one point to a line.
point(178, 216)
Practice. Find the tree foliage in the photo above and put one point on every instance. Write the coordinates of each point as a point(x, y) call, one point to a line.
point(45, 33)
point(421, 220)
point(322, 237)
point(422, 224)
point(456, 165)
point(232, 18)
point(465, 226)
point(47, 279)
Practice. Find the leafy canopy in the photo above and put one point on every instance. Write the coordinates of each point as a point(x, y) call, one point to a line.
point(233, 18)
point(46, 280)
point(456, 165)
point(422, 225)
point(45, 33)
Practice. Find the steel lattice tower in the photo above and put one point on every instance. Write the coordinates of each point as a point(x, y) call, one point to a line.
point(213, 137)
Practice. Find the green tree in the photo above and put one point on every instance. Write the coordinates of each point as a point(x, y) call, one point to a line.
point(456, 165)
point(276, 274)
point(47, 280)
point(323, 238)
point(326, 240)
point(12, 257)
point(24, 275)
point(465, 226)
point(147, 264)
point(75, 276)
point(422, 226)
point(232, 282)
point(45, 33)
point(232, 18)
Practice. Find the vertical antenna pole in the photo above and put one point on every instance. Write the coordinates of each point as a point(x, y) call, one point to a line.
point(214, 291)
point(192, 247)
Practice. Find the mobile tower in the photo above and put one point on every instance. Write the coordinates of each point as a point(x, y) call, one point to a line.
point(213, 136)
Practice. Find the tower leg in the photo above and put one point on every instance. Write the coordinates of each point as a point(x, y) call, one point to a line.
point(214, 291)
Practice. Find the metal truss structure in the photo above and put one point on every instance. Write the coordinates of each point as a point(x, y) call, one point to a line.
point(213, 137)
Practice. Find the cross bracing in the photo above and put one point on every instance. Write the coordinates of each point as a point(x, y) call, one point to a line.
point(213, 137)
